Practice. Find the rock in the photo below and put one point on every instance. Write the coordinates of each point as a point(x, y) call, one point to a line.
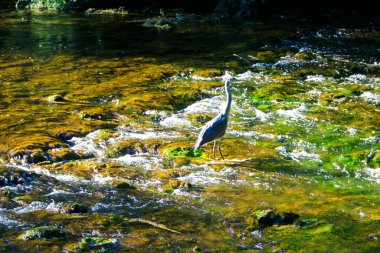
point(56, 98)
point(96, 114)
point(97, 243)
point(208, 73)
point(67, 135)
point(266, 56)
point(120, 11)
point(74, 207)
point(27, 156)
point(131, 147)
point(62, 154)
point(197, 249)
point(328, 98)
point(287, 218)
point(15, 176)
point(175, 184)
point(264, 218)
point(44, 232)
point(161, 23)
point(122, 185)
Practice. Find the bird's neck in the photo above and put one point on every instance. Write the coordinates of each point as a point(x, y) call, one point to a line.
point(226, 110)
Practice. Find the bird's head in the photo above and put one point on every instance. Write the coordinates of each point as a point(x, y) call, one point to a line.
point(228, 77)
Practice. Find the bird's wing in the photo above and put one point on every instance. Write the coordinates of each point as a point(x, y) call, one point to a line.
point(214, 129)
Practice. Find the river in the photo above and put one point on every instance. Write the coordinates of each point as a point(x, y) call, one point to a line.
point(98, 115)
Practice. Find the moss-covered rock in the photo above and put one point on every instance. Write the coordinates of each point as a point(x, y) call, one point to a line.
point(45, 232)
point(120, 11)
point(91, 244)
point(55, 98)
point(122, 185)
point(132, 146)
point(175, 184)
point(208, 73)
point(264, 218)
point(96, 114)
point(266, 56)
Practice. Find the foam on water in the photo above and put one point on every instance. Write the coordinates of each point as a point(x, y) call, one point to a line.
point(371, 98)
point(371, 140)
point(185, 193)
point(299, 154)
point(352, 131)
point(144, 161)
point(59, 192)
point(293, 114)
point(207, 105)
point(241, 77)
point(143, 135)
point(262, 116)
point(5, 221)
point(88, 143)
point(175, 121)
point(373, 174)
point(208, 176)
point(250, 134)
point(61, 177)
point(318, 79)
point(36, 206)
point(362, 79)
point(100, 179)
point(300, 150)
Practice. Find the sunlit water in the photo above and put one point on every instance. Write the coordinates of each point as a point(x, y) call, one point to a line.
point(303, 135)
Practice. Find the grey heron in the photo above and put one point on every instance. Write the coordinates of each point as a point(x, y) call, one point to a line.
point(215, 128)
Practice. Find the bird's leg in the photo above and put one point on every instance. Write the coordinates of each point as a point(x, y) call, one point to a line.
point(220, 151)
point(213, 151)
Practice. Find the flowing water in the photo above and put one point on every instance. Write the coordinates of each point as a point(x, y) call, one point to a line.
point(99, 111)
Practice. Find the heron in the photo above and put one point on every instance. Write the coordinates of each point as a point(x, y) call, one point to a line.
point(215, 128)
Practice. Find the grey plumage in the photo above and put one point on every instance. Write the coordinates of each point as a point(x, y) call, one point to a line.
point(215, 128)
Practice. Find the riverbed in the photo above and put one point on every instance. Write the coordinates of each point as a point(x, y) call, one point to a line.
point(99, 114)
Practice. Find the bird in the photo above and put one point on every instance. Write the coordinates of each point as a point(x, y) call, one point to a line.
point(216, 128)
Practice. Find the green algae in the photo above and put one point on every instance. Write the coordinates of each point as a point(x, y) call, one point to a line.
point(183, 152)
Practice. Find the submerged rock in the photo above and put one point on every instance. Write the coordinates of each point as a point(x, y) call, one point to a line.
point(96, 114)
point(197, 249)
point(64, 154)
point(131, 147)
point(120, 11)
point(74, 207)
point(99, 244)
point(122, 185)
point(55, 98)
point(264, 218)
point(15, 176)
point(175, 184)
point(44, 232)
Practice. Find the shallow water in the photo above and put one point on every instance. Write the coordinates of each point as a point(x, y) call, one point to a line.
point(92, 105)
